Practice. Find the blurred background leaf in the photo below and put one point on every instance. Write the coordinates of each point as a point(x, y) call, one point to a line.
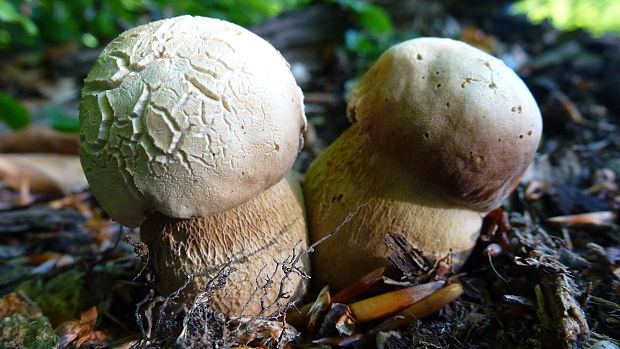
point(13, 113)
point(596, 16)
point(61, 121)
point(8, 14)
point(40, 26)
point(26, 24)
point(371, 16)
point(92, 23)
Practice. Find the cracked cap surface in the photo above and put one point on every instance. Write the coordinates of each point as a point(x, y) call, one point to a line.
point(187, 116)
point(454, 114)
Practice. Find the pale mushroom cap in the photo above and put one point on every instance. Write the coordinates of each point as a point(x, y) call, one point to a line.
point(187, 116)
point(454, 114)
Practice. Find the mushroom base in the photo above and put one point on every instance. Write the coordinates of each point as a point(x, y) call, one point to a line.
point(251, 237)
point(351, 176)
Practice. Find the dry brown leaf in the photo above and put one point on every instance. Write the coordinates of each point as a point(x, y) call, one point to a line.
point(320, 306)
point(423, 308)
point(434, 302)
point(37, 259)
point(345, 325)
point(77, 202)
point(391, 302)
point(104, 230)
point(478, 38)
point(35, 139)
point(258, 333)
point(535, 190)
point(42, 172)
point(597, 218)
point(13, 304)
point(297, 318)
point(78, 332)
point(360, 286)
point(340, 341)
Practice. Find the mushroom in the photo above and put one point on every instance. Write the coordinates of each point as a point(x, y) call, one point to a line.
point(441, 133)
point(189, 126)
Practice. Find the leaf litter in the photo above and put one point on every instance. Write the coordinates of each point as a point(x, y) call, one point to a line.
point(545, 271)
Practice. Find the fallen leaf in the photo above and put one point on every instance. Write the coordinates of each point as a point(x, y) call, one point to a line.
point(434, 302)
point(13, 112)
point(35, 139)
point(358, 287)
point(297, 317)
point(339, 341)
point(423, 308)
point(598, 218)
point(338, 317)
point(391, 302)
point(320, 306)
point(40, 219)
point(78, 332)
point(478, 38)
point(535, 190)
point(259, 332)
point(43, 172)
point(38, 259)
point(12, 304)
point(345, 325)
point(573, 112)
point(77, 202)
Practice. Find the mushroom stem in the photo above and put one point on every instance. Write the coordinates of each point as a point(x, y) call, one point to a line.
point(352, 171)
point(253, 237)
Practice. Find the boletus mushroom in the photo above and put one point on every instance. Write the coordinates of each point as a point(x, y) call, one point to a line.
point(189, 126)
point(441, 133)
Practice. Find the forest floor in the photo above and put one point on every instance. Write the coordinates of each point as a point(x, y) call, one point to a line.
point(545, 271)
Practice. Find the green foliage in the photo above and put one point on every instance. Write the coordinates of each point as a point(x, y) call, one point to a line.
point(14, 115)
point(12, 112)
point(366, 47)
point(372, 17)
point(19, 331)
point(13, 274)
point(596, 16)
point(60, 296)
point(8, 14)
point(65, 295)
point(375, 34)
point(62, 121)
point(364, 44)
point(91, 22)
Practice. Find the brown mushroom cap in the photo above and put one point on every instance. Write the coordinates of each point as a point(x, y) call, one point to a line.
point(452, 113)
point(187, 116)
